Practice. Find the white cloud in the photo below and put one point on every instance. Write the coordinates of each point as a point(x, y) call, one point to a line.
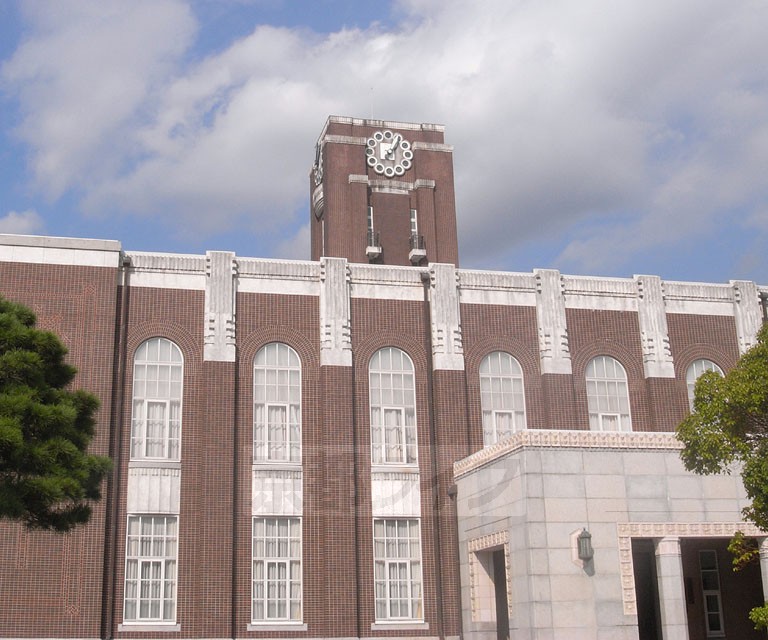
point(22, 223)
point(638, 123)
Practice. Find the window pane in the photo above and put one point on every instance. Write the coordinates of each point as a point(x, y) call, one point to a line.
point(157, 392)
point(397, 573)
point(276, 575)
point(607, 395)
point(392, 407)
point(150, 569)
point(276, 404)
point(501, 396)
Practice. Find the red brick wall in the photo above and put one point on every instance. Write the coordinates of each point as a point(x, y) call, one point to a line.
point(51, 584)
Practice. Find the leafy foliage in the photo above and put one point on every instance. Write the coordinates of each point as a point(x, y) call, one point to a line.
point(729, 429)
point(47, 478)
point(729, 424)
point(744, 550)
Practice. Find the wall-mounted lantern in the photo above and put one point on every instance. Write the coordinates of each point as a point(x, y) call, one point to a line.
point(584, 543)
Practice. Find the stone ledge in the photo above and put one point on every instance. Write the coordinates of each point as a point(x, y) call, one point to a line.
point(567, 439)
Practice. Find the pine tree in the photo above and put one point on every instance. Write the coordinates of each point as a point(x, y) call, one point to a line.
point(47, 477)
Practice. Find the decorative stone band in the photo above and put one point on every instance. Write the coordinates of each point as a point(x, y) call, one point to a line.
point(488, 542)
point(660, 530)
point(498, 539)
point(567, 439)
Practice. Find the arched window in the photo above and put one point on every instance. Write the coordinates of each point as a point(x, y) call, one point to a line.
point(158, 372)
point(501, 396)
point(607, 395)
point(393, 407)
point(694, 371)
point(277, 404)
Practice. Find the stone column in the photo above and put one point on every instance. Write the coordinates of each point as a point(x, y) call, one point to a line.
point(669, 569)
point(763, 542)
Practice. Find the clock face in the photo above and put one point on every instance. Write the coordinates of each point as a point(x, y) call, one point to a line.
point(389, 154)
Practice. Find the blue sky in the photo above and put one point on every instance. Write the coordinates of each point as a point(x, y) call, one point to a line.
point(606, 138)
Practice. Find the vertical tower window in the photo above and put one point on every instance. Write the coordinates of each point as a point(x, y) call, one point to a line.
point(277, 404)
point(158, 370)
point(710, 586)
point(607, 395)
point(397, 569)
point(414, 223)
point(393, 407)
point(501, 396)
point(150, 569)
point(277, 579)
point(697, 368)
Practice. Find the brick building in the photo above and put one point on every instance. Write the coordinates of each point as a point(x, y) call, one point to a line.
point(376, 443)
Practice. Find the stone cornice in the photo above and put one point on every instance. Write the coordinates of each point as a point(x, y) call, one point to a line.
point(566, 439)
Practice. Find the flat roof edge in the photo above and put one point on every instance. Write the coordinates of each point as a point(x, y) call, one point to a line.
point(51, 242)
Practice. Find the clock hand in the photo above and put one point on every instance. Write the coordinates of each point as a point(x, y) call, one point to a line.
point(395, 145)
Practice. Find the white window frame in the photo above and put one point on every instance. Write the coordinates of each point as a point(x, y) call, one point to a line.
point(263, 586)
point(414, 222)
point(711, 596)
point(159, 552)
point(172, 369)
point(265, 449)
point(383, 395)
point(607, 389)
point(395, 554)
point(498, 370)
point(696, 369)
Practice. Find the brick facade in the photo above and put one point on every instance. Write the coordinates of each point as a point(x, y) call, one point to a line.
point(335, 313)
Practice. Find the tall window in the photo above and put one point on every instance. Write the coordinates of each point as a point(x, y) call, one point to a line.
point(158, 369)
point(397, 569)
point(692, 375)
point(150, 569)
point(414, 223)
point(607, 395)
point(276, 569)
point(710, 586)
point(277, 404)
point(501, 396)
point(393, 407)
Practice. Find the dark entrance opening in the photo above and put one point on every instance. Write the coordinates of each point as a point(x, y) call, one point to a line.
point(500, 589)
point(646, 589)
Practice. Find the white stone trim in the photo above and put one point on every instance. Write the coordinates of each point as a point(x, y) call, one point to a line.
point(490, 541)
point(167, 271)
point(274, 626)
point(220, 307)
point(432, 146)
point(335, 320)
point(384, 124)
point(281, 277)
point(654, 332)
point(628, 530)
point(54, 242)
point(150, 626)
point(748, 313)
point(447, 347)
point(385, 282)
point(554, 351)
point(61, 251)
point(567, 439)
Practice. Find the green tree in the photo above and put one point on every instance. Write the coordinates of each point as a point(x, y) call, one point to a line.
point(47, 478)
point(728, 429)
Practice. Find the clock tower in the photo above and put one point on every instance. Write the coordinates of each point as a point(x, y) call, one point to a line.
point(382, 192)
